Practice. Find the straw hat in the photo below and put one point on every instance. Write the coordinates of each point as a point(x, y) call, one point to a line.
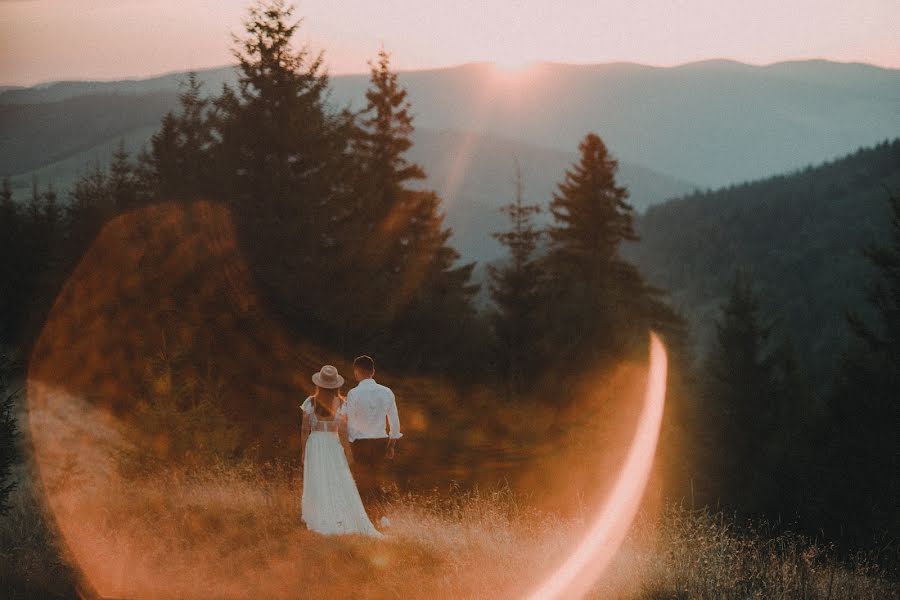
point(328, 378)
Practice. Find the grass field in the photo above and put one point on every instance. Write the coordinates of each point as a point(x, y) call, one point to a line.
point(234, 532)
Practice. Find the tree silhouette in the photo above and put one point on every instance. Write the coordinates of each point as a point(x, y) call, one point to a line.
point(865, 448)
point(515, 291)
point(400, 245)
point(179, 164)
point(384, 204)
point(281, 161)
point(598, 303)
point(8, 431)
point(742, 397)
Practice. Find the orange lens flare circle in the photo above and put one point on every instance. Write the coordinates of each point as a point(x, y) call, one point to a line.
point(578, 573)
point(173, 277)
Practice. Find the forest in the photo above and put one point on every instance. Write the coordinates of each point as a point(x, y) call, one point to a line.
point(263, 229)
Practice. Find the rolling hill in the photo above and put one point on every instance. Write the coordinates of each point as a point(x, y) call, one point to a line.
point(711, 123)
point(800, 236)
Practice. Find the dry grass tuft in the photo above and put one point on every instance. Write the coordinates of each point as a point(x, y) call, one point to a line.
point(232, 531)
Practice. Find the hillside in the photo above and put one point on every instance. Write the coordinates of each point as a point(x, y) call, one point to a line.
point(712, 122)
point(799, 234)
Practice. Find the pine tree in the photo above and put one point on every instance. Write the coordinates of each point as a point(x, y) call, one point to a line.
point(515, 292)
point(35, 203)
point(742, 399)
point(275, 131)
point(161, 169)
point(52, 210)
point(9, 218)
point(281, 161)
point(196, 139)
point(384, 205)
point(37, 236)
point(53, 231)
point(36, 245)
point(122, 183)
point(8, 432)
point(386, 130)
point(591, 211)
point(865, 409)
point(598, 305)
point(178, 165)
point(6, 197)
point(405, 260)
point(91, 205)
point(11, 267)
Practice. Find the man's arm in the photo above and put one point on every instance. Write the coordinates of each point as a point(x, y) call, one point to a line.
point(393, 419)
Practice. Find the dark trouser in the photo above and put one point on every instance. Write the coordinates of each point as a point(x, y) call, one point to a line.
point(368, 467)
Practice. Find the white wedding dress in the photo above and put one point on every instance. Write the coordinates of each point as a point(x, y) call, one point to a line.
point(331, 504)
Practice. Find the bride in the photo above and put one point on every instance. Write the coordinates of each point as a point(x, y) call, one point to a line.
point(331, 504)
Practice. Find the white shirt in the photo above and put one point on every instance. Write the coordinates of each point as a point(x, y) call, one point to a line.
point(367, 407)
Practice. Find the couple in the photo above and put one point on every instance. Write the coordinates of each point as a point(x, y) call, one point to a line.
point(337, 431)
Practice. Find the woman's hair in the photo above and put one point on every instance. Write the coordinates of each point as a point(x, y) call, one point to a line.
point(323, 401)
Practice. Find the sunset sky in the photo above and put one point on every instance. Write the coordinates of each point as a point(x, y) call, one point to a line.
point(44, 40)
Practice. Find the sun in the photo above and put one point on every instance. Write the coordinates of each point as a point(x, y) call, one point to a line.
point(512, 65)
point(514, 73)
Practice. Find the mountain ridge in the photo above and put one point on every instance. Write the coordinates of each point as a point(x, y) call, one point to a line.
point(618, 63)
point(710, 122)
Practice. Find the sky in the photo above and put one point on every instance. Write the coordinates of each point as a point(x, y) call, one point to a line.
point(47, 40)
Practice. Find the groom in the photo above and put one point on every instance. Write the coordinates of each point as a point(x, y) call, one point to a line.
point(367, 407)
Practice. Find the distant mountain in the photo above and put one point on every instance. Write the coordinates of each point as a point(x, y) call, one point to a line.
point(63, 90)
point(712, 122)
point(37, 135)
point(800, 235)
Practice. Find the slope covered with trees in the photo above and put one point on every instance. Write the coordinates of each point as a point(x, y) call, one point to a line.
point(799, 235)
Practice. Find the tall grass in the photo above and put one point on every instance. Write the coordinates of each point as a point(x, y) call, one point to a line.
point(233, 531)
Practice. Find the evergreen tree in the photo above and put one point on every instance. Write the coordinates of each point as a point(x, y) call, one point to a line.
point(52, 234)
point(6, 198)
point(515, 292)
point(405, 258)
point(91, 205)
point(8, 432)
point(35, 207)
point(179, 162)
point(281, 161)
point(743, 401)
point(275, 130)
point(865, 410)
point(160, 167)
point(11, 267)
point(52, 211)
point(386, 206)
point(122, 182)
point(37, 237)
point(598, 305)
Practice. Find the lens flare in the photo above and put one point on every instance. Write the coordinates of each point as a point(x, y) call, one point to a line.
point(161, 322)
point(574, 577)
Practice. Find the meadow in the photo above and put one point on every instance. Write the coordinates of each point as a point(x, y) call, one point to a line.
point(233, 531)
